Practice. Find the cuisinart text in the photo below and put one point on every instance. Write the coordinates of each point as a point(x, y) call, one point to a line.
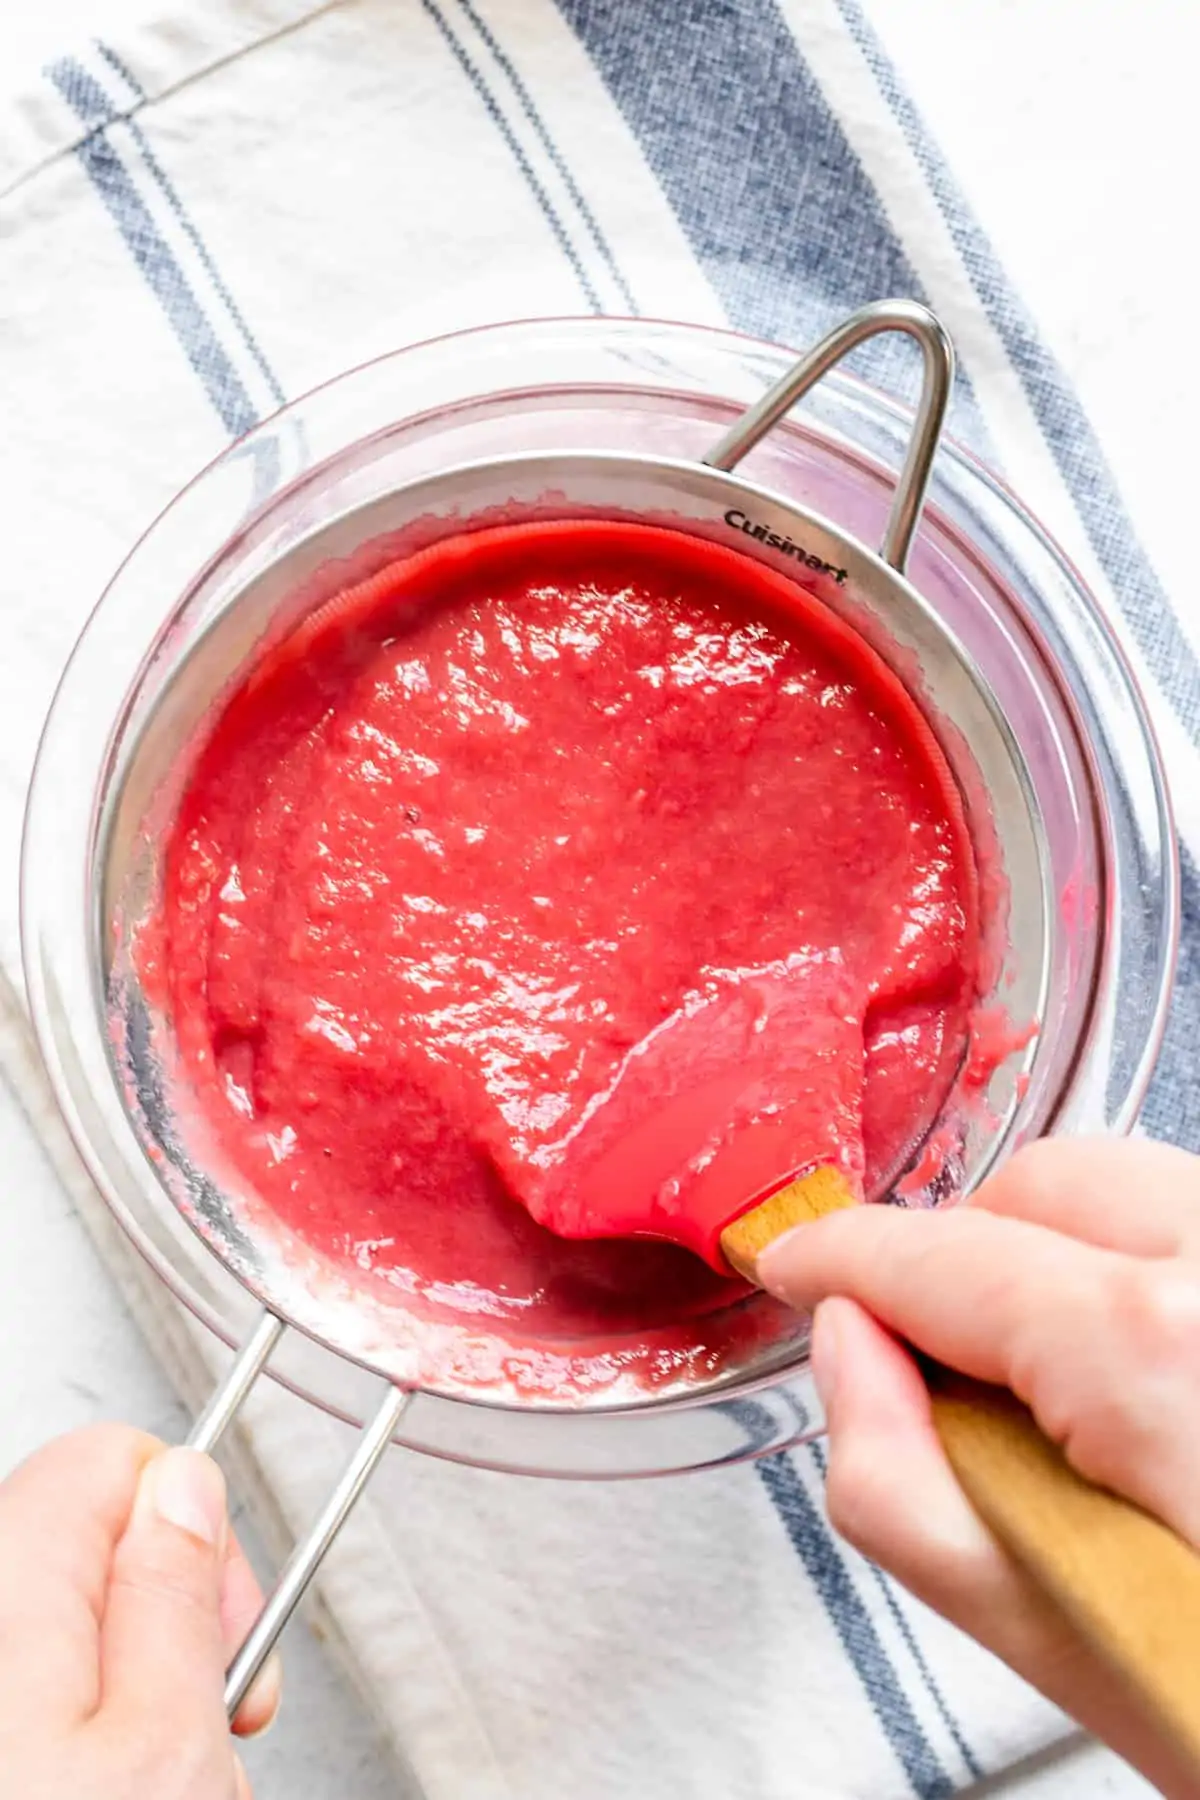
point(738, 521)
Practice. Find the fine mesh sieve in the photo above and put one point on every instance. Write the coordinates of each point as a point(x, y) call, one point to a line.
point(340, 520)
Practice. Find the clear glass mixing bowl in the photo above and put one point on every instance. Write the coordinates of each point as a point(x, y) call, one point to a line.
point(1106, 903)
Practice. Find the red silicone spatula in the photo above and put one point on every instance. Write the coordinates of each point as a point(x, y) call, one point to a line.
point(740, 1090)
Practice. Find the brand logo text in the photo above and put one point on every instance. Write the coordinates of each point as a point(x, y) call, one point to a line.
point(736, 519)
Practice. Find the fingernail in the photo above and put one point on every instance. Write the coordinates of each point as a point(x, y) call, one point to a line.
point(823, 1355)
point(265, 1696)
point(186, 1489)
point(774, 1266)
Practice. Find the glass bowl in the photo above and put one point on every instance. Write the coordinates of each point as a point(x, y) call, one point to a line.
point(1076, 785)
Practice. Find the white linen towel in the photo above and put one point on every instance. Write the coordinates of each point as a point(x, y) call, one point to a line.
point(221, 207)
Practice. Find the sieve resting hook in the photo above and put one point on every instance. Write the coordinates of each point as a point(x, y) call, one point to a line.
point(914, 321)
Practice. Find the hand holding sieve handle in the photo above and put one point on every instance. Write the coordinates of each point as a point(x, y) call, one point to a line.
point(309, 1553)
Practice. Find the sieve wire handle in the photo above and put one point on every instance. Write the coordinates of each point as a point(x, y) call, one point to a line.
point(938, 378)
point(224, 1406)
point(309, 1553)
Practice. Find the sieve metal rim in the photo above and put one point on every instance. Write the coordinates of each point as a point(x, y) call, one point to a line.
point(867, 571)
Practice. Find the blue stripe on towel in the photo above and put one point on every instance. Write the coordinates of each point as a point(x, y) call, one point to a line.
point(1063, 421)
point(887, 1589)
point(778, 210)
point(827, 1570)
point(1172, 1109)
point(149, 249)
point(529, 107)
point(171, 194)
point(548, 209)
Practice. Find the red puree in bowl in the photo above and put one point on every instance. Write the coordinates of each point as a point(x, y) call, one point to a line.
point(468, 838)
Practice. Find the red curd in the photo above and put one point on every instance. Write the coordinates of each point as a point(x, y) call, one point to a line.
point(489, 836)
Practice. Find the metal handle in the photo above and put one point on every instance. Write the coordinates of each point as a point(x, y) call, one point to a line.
point(938, 379)
point(309, 1553)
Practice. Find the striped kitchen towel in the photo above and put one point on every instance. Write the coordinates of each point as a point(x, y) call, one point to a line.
point(208, 212)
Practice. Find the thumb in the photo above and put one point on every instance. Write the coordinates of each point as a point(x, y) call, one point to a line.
point(161, 1650)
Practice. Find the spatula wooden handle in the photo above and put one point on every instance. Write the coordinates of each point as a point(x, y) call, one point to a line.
point(1128, 1584)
